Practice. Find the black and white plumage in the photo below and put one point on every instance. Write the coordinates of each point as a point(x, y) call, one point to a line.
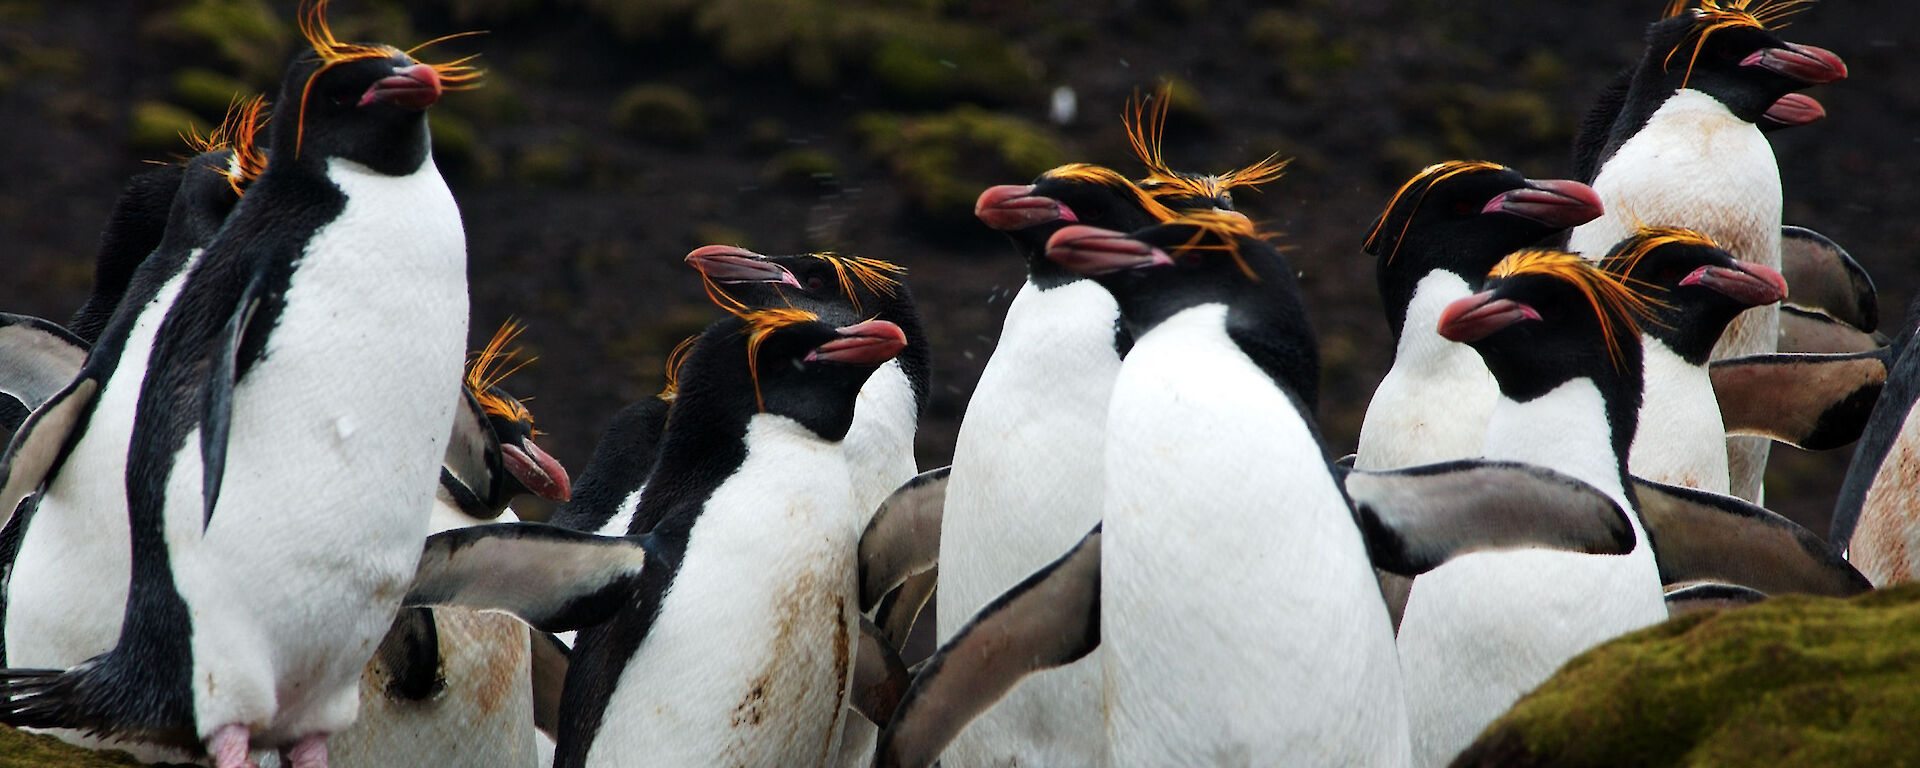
point(250, 571)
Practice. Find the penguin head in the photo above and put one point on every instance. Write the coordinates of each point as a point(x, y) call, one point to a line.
point(514, 464)
point(1076, 193)
point(1145, 121)
point(1695, 288)
point(1464, 216)
point(838, 288)
point(236, 142)
point(359, 102)
point(1724, 48)
point(1546, 317)
point(795, 365)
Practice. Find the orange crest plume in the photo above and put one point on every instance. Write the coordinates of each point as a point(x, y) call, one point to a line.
point(675, 359)
point(1619, 307)
point(762, 323)
point(492, 365)
point(1715, 15)
point(1644, 240)
point(237, 131)
point(1146, 121)
point(1094, 174)
point(876, 275)
point(454, 75)
point(1431, 175)
point(1225, 230)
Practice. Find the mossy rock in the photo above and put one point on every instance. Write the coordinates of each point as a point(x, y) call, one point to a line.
point(548, 164)
point(801, 169)
point(158, 126)
point(207, 92)
point(246, 37)
point(936, 62)
point(1792, 681)
point(19, 749)
point(662, 113)
point(945, 159)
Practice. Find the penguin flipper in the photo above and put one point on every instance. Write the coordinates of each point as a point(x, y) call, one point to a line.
point(1701, 536)
point(549, 665)
point(899, 610)
point(1811, 402)
point(552, 578)
point(37, 358)
point(1417, 518)
point(41, 440)
point(1709, 596)
point(216, 418)
point(1822, 275)
point(411, 655)
point(1050, 619)
point(904, 536)
point(1808, 330)
point(879, 678)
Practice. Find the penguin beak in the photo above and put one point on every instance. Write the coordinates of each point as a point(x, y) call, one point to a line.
point(731, 264)
point(1808, 64)
point(414, 87)
point(536, 470)
point(1095, 251)
point(1750, 284)
point(1480, 315)
point(870, 343)
point(1795, 109)
point(1012, 206)
point(1553, 202)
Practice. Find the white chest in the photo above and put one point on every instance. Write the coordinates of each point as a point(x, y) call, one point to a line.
point(1208, 462)
point(1434, 403)
point(747, 661)
point(879, 444)
point(1681, 440)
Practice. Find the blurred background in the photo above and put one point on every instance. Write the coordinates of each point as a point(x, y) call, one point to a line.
point(611, 137)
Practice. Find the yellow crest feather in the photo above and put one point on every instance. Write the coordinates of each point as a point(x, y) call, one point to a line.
point(1094, 174)
point(1225, 228)
point(1432, 175)
point(676, 359)
point(454, 75)
point(1619, 307)
point(876, 275)
point(1715, 15)
point(1145, 121)
point(760, 324)
point(492, 365)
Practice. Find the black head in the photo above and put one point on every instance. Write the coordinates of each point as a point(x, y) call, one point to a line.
point(1697, 287)
point(785, 362)
point(1547, 317)
point(358, 102)
point(1078, 193)
point(1203, 258)
point(1724, 49)
point(515, 465)
point(1463, 217)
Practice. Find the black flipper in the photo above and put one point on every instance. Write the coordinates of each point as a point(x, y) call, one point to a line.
point(554, 579)
point(1806, 330)
point(1822, 275)
point(879, 679)
point(551, 659)
point(901, 608)
point(1710, 596)
point(904, 536)
point(37, 358)
point(1050, 619)
point(40, 442)
point(1811, 402)
point(410, 653)
point(223, 374)
point(1701, 536)
point(1415, 519)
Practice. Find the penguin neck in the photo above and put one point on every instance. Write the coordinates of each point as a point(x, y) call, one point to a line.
point(915, 361)
point(1576, 428)
point(1420, 300)
point(704, 444)
point(622, 459)
point(1274, 334)
point(1681, 438)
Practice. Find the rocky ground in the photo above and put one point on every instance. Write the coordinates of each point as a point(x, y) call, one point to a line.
point(612, 136)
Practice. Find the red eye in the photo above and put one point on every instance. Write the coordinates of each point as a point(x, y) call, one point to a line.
point(815, 283)
point(1191, 259)
point(1464, 208)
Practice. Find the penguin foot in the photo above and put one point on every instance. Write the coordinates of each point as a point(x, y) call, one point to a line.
point(309, 752)
point(228, 747)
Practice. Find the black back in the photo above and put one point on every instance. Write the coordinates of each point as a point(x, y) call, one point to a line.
point(133, 230)
point(622, 460)
point(703, 446)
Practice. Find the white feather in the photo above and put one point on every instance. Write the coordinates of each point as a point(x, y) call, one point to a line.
point(1681, 440)
point(1434, 403)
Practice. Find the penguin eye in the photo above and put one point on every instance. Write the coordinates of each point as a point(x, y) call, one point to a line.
point(1191, 259)
point(814, 283)
point(1464, 208)
point(1671, 275)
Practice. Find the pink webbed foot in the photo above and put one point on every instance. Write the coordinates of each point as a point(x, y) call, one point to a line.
point(228, 747)
point(309, 752)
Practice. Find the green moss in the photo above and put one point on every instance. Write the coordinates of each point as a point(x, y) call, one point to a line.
point(548, 164)
point(207, 92)
point(933, 62)
point(801, 168)
point(247, 37)
point(1302, 45)
point(19, 749)
point(766, 135)
point(661, 113)
point(945, 159)
point(20, 11)
point(1793, 681)
point(158, 126)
